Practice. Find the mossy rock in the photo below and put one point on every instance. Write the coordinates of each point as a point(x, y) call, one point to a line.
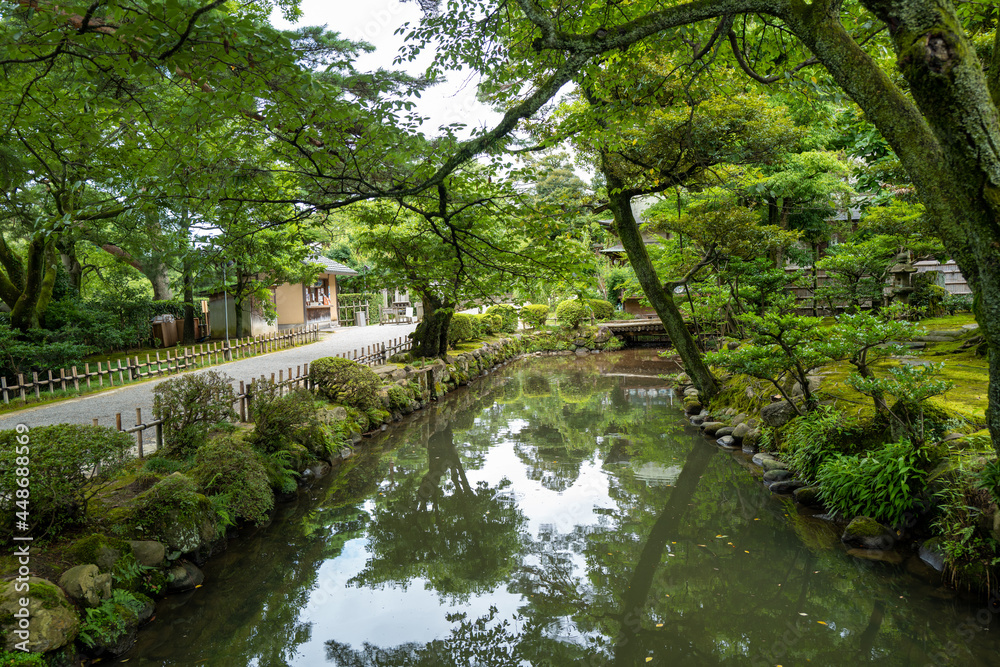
point(175, 513)
point(51, 617)
point(345, 381)
point(866, 533)
point(103, 551)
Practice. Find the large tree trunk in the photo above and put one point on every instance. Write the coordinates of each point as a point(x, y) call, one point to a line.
point(661, 299)
point(154, 270)
point(39, 279)
point(947, 137)
point(430, 339)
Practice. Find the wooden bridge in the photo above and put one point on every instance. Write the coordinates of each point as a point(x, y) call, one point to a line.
point(635, 332)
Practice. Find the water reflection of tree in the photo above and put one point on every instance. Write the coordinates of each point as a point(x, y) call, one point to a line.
point(462, 539)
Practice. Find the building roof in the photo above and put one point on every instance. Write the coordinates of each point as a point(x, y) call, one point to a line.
point(330, 266)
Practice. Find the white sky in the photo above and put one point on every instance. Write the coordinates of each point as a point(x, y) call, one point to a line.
point(375, 22)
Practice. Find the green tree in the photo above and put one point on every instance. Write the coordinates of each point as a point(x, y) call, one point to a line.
point(935, 103)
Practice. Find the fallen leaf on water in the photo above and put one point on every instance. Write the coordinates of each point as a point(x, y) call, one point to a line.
point(199, 586)
point(659, 625)
point(649, 660)
point(802, 613)
point(745, 551)
point(722, 536)
point(702, 545)
point(821, 622)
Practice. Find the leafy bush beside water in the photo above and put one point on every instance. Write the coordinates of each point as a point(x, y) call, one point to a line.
point(882, 484)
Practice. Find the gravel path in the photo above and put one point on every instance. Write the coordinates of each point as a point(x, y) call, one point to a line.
point(104, 405)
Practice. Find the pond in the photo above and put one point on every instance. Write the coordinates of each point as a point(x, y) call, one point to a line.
point(560, 511)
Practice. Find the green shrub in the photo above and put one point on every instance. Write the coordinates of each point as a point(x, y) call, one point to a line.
point(463, 327)
point(281, 420)
point(572, 313)
point(815, 437)
point(534, 315)
point(190, 406)
point(67, 464)
point(345, 381)
point(957, 303)
point(603, 310)
point(882, 484)
point(508, 317)
point(228, 468)
point(489, 324)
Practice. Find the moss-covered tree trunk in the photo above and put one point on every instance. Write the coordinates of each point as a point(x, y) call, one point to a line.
point(430, 338)
point(947, 136)
point(38, 281)
point(659, 297)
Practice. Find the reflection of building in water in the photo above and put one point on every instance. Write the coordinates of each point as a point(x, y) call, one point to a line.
point(657, 474)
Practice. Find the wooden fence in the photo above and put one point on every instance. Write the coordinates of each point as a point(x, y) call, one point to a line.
point(132, 369)
point(371, 355)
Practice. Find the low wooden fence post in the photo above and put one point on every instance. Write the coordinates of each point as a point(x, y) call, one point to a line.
point(138, 424)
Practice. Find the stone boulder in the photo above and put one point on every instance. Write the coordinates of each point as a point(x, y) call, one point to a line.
point(51, 618)
point(603, 335)
point(86, 584)
point(777, 414)
point(149, 552)
point(867, 533)
point(725, 430)
point(693, 406)
point(184, 576)
point(727, 441)
point(740, 431)
point(787, 486)
point(809, 496)
point(772, 476)
point(709, 428)
point(932, 552)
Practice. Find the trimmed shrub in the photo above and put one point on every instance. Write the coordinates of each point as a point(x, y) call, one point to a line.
point(508, 317)
point(463, 327)
point(572, 313)
point(603, 310)
point(534, 315)
point(69, 464)
point(190, 406)
point(230, 468)
point(345, 381)
point(489, 324)
point(282, 420)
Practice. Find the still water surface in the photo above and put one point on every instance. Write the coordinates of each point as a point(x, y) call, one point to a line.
point(559, 512)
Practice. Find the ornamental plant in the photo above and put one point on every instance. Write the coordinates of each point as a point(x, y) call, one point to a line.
point(68, 464)
point(571, 313)
point(534, 315)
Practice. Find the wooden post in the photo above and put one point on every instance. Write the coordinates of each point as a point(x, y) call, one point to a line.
point(243, 403)
point(94, 421)
point(118, 420)
point(76, 381)
point(62, 379)
point(158, 432)
point(34, 381)
point(249, 399)
point(138, 422)
point(3, 384)
point(121, 377)
point(20, 385)
point(100, 375)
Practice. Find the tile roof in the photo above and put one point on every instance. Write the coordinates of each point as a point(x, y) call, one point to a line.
point(330, 266)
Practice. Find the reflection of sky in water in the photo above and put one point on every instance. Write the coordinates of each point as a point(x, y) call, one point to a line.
point(390, 615)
